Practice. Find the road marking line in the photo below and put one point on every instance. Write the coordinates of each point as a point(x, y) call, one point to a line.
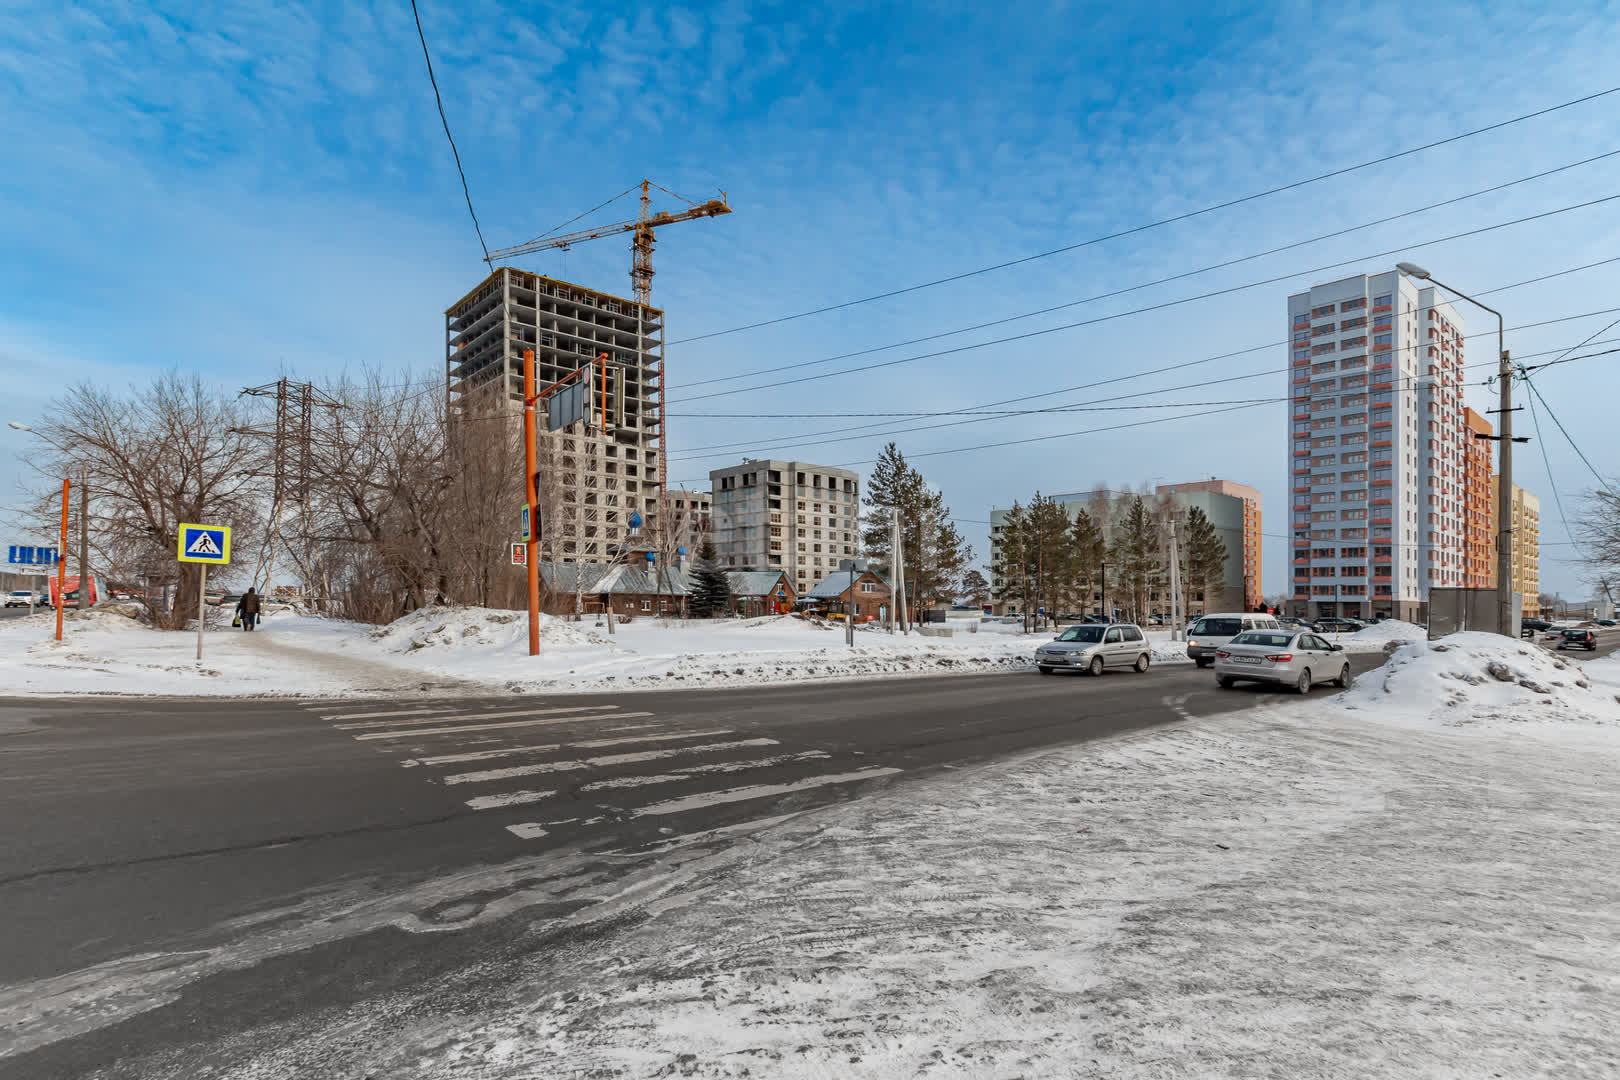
point(487, 727)
point(508, 751)
point(595, 743)
point(700, 770)
point(608, 760)
point(528, 831)
point(511, 798)
point(761, 791)
point(334, 717)
point(472, 716)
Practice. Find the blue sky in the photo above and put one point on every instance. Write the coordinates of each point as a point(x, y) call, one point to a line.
point(234, 189)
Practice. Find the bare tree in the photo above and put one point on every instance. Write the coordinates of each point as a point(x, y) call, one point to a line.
point(154, 457)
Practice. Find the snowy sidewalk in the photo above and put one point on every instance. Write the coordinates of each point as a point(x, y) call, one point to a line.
point(1304, 890)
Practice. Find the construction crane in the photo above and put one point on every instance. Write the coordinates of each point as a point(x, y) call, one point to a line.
point(641, 245)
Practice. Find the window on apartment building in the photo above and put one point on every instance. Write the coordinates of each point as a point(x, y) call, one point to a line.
point(1382, 301)
point(1302, 354)
point(1381, 339)
point(1325, 347)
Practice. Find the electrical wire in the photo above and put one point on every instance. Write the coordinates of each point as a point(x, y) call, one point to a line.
point(445, 121)
point(1492, 364)
point(1159, 281)
point(1603, 485)
point(1152, 224)
point(1229, 290)
point(1546, 462)
point(703, 450)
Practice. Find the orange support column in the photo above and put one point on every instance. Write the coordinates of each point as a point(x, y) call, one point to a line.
point(532, 496)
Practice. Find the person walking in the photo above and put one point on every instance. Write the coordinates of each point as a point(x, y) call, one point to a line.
point(247, 609)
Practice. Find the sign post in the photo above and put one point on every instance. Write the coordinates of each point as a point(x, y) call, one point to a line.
point(207, 545)
point(61, 565)
point(531, 496)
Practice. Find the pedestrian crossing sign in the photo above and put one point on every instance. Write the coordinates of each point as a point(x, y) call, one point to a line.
point(205, 544)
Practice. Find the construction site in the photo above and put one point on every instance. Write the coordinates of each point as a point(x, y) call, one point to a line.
point(599, 374)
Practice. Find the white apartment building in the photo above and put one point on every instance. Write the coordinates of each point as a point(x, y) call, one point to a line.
point(1376, 445)
point(785, 515)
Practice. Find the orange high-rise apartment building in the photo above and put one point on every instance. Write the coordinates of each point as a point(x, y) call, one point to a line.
point(1479, 523)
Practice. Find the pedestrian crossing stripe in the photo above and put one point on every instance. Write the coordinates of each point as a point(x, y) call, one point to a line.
point(205, 544)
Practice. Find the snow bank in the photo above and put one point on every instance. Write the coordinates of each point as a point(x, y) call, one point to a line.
point(1388, 630)
point(483, 628)
point(471, 649)
point(1475, 678)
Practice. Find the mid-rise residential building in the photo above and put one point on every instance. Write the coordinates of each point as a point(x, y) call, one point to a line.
point(1479, 519)
point(1232, 508)
point(1527, 550)
point(1376, 446)
point(785, 515)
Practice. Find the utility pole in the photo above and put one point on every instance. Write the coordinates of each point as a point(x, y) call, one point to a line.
point(531, 495)
point(84, 540)
point(1505, 441)
point(849, 610)
point(61, 563)
point(899, 586)
point(1504, 505)
point(1175, 583)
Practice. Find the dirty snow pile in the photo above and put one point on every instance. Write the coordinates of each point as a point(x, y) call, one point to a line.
point(482, 628)
point(1474, 678)
point(1378, 633)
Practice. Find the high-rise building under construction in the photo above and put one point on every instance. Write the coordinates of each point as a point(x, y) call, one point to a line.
point(598, 469)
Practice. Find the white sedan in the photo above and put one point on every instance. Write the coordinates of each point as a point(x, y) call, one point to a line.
point(1295, 658)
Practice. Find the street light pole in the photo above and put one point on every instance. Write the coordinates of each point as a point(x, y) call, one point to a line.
point(1504, 501)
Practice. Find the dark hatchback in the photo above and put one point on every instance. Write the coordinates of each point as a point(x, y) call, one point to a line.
point(1578, 639)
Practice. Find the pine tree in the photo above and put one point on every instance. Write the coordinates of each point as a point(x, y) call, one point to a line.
point(1205, 556)
point(1089, 551)
point(1135, 552)
point(1012, 557)
point(711, 591)
point(975, 589)
point(936, 553)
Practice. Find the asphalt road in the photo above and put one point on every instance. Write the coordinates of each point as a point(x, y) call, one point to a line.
point(179, 871)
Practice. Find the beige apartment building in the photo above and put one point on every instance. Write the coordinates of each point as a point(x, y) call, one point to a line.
point(785, 515)
point(1527, 549)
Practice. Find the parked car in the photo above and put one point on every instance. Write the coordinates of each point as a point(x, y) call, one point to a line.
point(1606, 622)
point(1293, 622)
point(1098, 620)
point(1333, 624)
point(1213, 631)
point(1287, 657)
point(1531, 627)
point(1093, 648)
point(1578, 639)
point(20, 598)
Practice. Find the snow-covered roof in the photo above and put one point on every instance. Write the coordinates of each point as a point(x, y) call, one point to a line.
point(614, 578)
point(836, 583)
point(753, 582)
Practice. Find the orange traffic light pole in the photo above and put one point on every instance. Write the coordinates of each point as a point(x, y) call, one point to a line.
point(61, 564)
point(532, 494)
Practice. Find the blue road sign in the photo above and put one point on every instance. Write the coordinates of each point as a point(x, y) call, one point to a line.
point(205, 544)
point(24, 555)
point(526, 525)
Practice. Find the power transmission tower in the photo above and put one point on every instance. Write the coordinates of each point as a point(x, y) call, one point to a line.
point(292, 466)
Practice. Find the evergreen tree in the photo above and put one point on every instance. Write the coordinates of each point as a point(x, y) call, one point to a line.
point(1052, 553)
point(1205, 557)
point(1012, 557)
point(711, 590)
point(936, 553)
point(1088, 553)
point(1135, 552)
point(975, 589)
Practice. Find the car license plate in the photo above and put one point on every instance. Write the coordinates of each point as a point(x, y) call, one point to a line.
point(1245, 659)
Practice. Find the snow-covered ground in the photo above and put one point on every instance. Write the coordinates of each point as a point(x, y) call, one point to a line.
point(1414, 878)
point(440, 649)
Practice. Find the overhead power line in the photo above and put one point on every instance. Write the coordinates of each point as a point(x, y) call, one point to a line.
point(1603, 484)
point(1157, 281)
point(1163, 305)
point(756, 447)
point(1135, 229)
point(439, 101)
point(1546, 462)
